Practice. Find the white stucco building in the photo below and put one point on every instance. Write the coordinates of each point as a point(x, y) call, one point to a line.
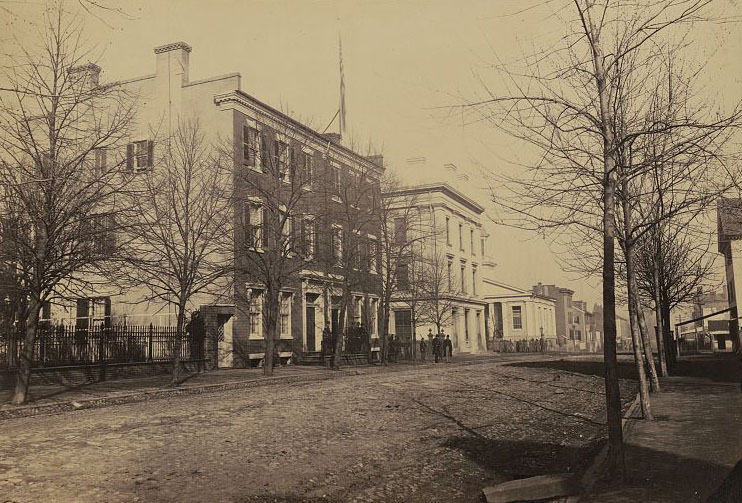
point(457, 241)
point(520, 314)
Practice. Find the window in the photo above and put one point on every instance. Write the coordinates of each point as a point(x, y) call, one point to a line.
point(461, 237)
point(400, 232)
point(281, 160)
point(139, 155)
point(256, 314)
point(335, 179)
point(102, 234)
point(483, 242)
point(372, 247)
point(466, 325)
point(337, 244)
point(474, 280)
point(449, 275)
point(285, 315)
point(577, 318)
point(307, 169)
point(99, 161)
point(253, 225)
point(463, 278)
point(471, 242)
point(479, 325)
point(287, 231)
point(517, 319)
point(250, 146)
point(403, 275)
point(306, 244)
point(448, 231)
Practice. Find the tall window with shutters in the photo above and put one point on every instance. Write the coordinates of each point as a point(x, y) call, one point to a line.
point(99, 162)
point(285, 315)
point(256, 315)
point(140, 155)
point(307, 169)
point(250, 141)
point(253, 225)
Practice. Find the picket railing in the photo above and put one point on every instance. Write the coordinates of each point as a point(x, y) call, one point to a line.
point(59, 345)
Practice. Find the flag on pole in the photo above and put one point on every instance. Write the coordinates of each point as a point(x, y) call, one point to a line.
point(342, 89)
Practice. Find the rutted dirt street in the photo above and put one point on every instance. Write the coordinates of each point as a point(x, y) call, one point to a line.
point(434, 434)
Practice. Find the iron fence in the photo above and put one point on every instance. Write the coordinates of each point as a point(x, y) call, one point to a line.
point(59, 345)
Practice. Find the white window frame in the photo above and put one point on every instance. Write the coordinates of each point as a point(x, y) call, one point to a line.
point(255, 315)
point(519, 310)
point(256, 205)
point(285, 304)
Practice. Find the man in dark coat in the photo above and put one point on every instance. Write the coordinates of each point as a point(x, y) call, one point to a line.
point(448, 348)
point(327, 348)
point(437, 347)
point(423, 348)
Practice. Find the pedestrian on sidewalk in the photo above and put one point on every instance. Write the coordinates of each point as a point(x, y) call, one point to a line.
point(437, 347)
point(423, 348)
point(326, 342)
point(448, 348)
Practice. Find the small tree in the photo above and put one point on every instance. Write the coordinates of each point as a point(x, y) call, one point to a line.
point(59, 171)
point(180, 224)
point(438, 289)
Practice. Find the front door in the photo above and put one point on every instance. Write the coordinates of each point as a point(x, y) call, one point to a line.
point(311, 344)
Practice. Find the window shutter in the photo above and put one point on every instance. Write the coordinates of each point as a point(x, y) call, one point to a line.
point(150, 153)
point(263, 151)
point(107, 311)
point(267, 235)
point(317, 238)
point(82, 313)
point(130, 157)
point(292, 236)
point(247, 225)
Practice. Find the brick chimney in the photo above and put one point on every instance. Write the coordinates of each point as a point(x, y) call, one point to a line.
point(172, 59)
point(88, 74)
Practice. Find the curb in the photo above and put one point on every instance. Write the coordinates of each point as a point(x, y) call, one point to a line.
point(591, 475)
point(122, 398)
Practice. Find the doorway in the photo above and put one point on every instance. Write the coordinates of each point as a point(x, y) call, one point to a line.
point(311, 341)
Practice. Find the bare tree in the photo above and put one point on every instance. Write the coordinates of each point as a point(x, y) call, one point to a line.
point(568, 102)
point(407, 227)
point(60, 169)
point(350, 215)
point(180, 221)
point(278, 182)
point(439, 289)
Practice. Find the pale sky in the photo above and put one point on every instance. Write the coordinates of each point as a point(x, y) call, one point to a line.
point(403, 60)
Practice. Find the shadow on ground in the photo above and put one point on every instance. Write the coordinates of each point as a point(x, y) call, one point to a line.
point(518, 459)
point(720, 367)
point(675, 479)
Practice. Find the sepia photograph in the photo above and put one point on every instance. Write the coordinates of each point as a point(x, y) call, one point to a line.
point(370, 251)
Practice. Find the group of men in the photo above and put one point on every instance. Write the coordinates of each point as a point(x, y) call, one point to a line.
point(441, 345)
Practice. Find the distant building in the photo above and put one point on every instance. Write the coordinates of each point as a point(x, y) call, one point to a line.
point(520, 314)
point(704, 325)
point(563, 312)
point(729, 227)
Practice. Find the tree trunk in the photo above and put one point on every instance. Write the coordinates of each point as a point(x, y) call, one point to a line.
point(671, 349)
point(661, 354)
point(637, 346)
point(341, 329)
point(612, 390)
point(384, 333)
point(271, 316)
point(178, 344)
point(24, 369)
point(654, 380)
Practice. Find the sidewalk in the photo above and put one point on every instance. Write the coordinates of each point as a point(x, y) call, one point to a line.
point(688, 450)
point(51, 399)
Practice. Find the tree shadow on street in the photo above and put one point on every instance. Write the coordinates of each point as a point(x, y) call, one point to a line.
point(626, 369)
point(719, 367)
point(520, 459)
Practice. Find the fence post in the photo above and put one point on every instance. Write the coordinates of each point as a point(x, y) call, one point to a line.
point(149, 344)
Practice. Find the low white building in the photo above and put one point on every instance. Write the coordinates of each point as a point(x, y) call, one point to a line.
point(519, 314)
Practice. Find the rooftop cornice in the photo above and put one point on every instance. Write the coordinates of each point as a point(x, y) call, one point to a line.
point(251, 103)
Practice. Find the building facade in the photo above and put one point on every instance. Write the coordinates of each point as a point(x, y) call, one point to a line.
point(455, 243)
point(518, 314)
point(259, 135)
